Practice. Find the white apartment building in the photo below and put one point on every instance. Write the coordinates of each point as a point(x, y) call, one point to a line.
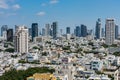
point(21, 39)
point(110, 31)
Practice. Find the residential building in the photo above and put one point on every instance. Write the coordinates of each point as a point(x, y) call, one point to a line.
point(109, 31)
point(21, 39)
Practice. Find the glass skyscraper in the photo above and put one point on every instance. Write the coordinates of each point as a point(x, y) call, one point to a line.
point(83, 30)
point(98, 29)
point(34, 30)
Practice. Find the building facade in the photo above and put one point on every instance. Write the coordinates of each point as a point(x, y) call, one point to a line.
point(34, 30)
point(55, 30)
point(98, 29)
point(109, 31)
point(10, 35)
point(83, 30)
point(67, 30)
point(21, 40)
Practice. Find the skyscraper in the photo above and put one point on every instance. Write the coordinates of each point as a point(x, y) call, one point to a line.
point(21, 39)
point(103, 33)
point(34, 30)
point(47, 29)
point(30, 31)
point(77, 31)
point(43, 31)
point(55, 30)
point(10, 35)
point(109, 31)
point(116, 31)
point(83, 30)
point(67, 30)
point(3, 28)
point(98, 29)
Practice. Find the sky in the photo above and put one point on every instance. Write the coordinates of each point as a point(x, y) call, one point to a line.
point(66, 12)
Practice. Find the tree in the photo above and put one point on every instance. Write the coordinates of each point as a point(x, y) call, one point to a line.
point(11, 50)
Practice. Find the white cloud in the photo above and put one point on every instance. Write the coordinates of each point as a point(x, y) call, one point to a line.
point(42, 13)
point(16, 6)
point(53, 1)
point(3, 4)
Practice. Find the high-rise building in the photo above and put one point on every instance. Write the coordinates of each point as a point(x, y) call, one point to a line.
point(67, 30)
point(109, 31)
point(77, 31)
point(10, 35)
point(55, 30)
point(3, 28)
point(21, 39)
point(103, 33)
point(47, 29)
point(98, 29)
point(83, 30)
point(34, 30)
point(116, 31)
point(30, 31)
point(43, 31)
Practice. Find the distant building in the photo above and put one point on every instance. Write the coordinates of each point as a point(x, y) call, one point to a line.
point(55, 30)
point(47, 29)
point(77, 31)
point(109, 31)
point(3, 28)
point(103, 33)
point(98, 29)
point(43, 31)
point(83, 30)
point(34, 30)
point(10, 35)
point(21, 39)
point(116, 31)
point(67, 30)
point(30, 31)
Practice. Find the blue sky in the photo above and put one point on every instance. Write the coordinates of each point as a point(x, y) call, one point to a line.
point(65, 12)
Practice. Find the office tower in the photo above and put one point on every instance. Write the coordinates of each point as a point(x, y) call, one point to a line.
point(98, 29)
point(83, 30)
point(103, 33)
point(51, 31)
point(55, 30)
point(67, 30)
point(77, 31)
point(30, 31)
point(47, 30)
point(21, 39)
point(10, 35)
point(116, 31)
point(3, 28)
point(109, 31)
point(34, 30)
point(43, 31)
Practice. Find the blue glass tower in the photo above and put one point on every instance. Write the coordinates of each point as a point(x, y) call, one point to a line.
point(116, 31)
point(83, 30)
point(34, 30)
point(98, 29)
point(77, 31)
point(67, 30)
point(55, 30)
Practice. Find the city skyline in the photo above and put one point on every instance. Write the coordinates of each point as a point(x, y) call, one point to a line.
point(66, 12)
